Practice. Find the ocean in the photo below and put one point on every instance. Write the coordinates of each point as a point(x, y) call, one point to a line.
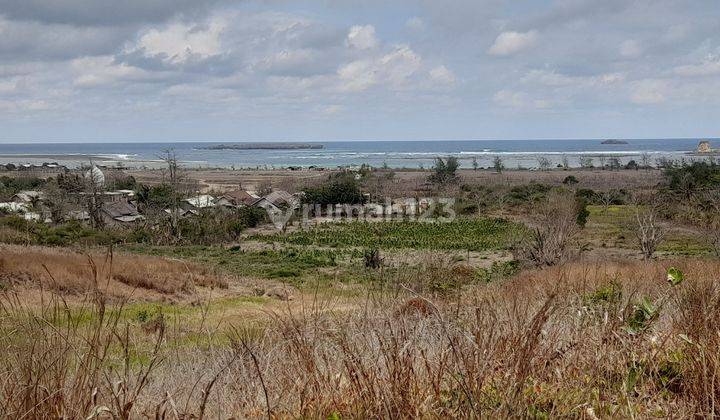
point(394, 154)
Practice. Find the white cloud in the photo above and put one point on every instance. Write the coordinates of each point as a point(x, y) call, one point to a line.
point(332, 109)
point(519, 100)
point(178, 42)
point(443, 75)
point(392, 69)
point(362, 37)
point(554, 79)
point(415, 23)
point(649, 92)
point(509, 43)
point(631, 49)
point(709, 67)
point(400, 64)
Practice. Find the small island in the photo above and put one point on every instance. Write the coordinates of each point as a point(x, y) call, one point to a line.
point(264, 146)
point(614, 142)
point(705, 148)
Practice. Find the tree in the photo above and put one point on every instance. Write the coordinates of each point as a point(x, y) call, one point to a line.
point(565, 162)
point(173, 177)
point(498, 164)
point(56, 200)
point(712, 215)
point(445, 171)
point(645, 160)
point(339, 191)
point(689, 179)
point(93, 183)
point(614, 163)
point(607, 198)
point(602, 160)
point(556, 222)
point(648, 231)
point(586, 162)
point(544, 163)
point(632, 165)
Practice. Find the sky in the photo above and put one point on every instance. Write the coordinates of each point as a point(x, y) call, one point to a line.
point(302, 70)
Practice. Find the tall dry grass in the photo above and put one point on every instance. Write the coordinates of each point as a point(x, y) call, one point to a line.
point(551, 342)
point(69, 272)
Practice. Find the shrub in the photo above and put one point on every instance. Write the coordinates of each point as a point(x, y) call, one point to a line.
point(688, 179)
point(529, 193)
point(342, 191)
point(445, 171)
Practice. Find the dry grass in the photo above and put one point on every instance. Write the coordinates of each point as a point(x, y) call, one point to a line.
point(69, 272)
point(552, 342)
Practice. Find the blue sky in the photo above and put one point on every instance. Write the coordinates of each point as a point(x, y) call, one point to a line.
point(183, 70)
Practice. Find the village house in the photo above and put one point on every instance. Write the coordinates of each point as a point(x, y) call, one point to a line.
point(14, 207)
point(283, 200)
point(119, 195)
point(237, 199)
point(28, 197)
point(198, 203)
point(120, 214)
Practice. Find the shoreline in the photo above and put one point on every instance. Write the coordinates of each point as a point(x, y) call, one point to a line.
point(529, 160)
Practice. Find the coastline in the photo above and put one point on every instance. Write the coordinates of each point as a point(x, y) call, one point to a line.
point(397, 155)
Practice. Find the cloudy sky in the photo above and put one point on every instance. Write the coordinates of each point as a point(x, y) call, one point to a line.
point(164, 70)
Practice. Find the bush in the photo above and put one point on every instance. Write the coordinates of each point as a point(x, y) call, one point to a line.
point(582, 212)
point(67, 234)
point(690, 178)
point(530, 193)
point(218, 225)
point(445, 171)
point(341, 191)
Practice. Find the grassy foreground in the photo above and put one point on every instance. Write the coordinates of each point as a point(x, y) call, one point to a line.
point(590, 340)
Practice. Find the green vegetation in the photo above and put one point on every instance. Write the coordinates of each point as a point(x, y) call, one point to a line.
point(688, 179)
point(460, 234)
point(498, 271)
point(71, 233)
point(343, 190)
point(445, 171)
point(10, 186)
point(292, 265)
point(612, 226)
point(529, 193)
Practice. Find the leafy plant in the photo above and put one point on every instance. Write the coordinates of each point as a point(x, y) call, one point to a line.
point(675, 276)
point(643, 314)
point(609, 293)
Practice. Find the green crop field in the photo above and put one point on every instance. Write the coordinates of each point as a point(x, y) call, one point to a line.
point(460, 234)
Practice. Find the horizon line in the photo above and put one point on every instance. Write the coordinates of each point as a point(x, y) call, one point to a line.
point(347, 141)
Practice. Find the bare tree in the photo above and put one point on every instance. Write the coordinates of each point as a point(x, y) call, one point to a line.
point(57, 201)
point(544, 163)
point(614, 163)
point(555, 229)
point(565, 162)
point(93, 181)
point(602, 160)
point(586, 162)
point(648, 231)
point(607, 198)
point(712, 200)
point(645, 160)
point(174, 178)
point(498, 164)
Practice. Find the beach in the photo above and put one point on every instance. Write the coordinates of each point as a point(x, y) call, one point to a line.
point(515, 154)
